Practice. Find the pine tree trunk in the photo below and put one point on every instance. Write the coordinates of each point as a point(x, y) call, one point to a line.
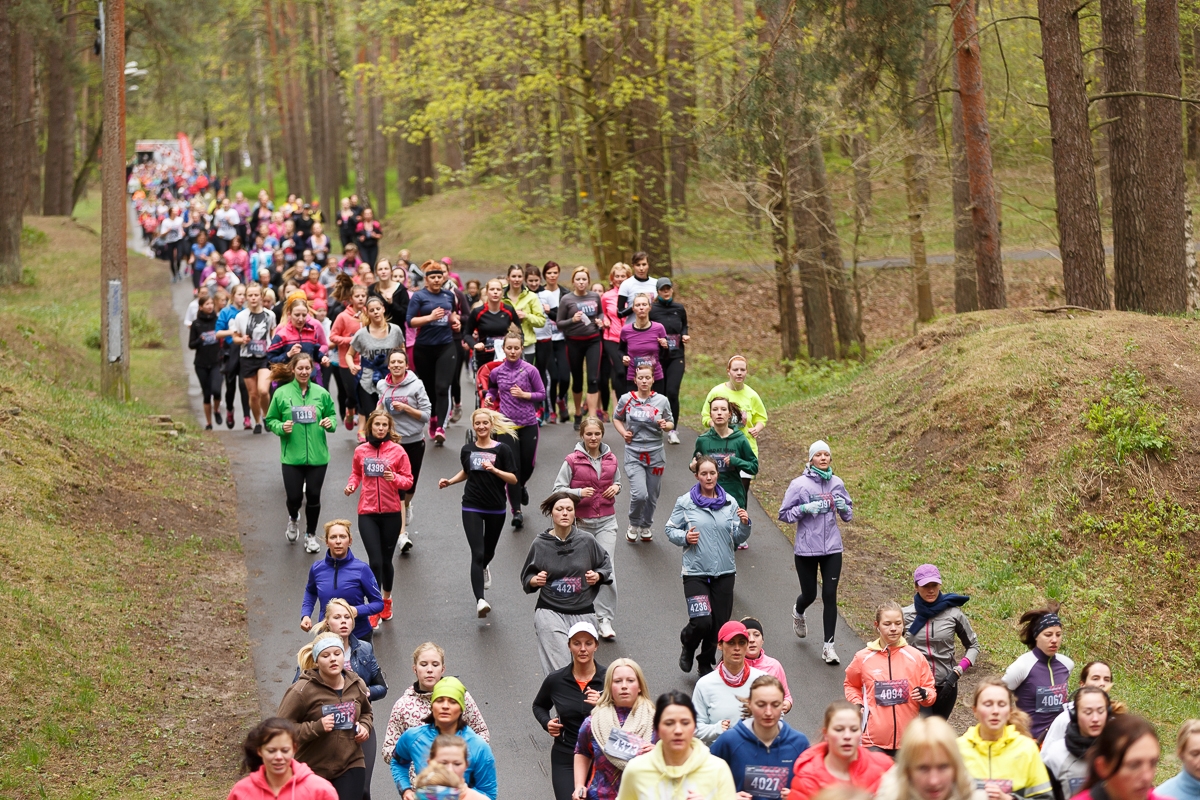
point(814, 288)
point(352, 139)
point(1166, 260)
point(316, 127)
point(989, 267)
point(378, 142)
point(785, 292)
point(12, 200)
point(918, 115)
point(966, 298)
point(831, 255)
point(285, 131)
point(1077, 208)
point(647, 146)
point(59, 170)
point(681, 99)
point(30, 165)
point(1126, 151)
point(860, 152)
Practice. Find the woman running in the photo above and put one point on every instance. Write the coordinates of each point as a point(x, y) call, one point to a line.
point(1185, 785)
point(929, 767)
point(301, 414)
point(572, 690)
point(367, 234)
point(611, 370)
point(565, 567)
point(891, 680)
point(202, 337)
point(253, 328)
point(625, 705)
point(432, 312)
point(1039, 678)
point(813, 502)
point(998, 751)
point(933, 622)
point(340, 574)
point(269, 755)
point(1123, 762)
point(516, 387)
point(1094, 673)
point(754, 413)
point(414, 747)
point(171, 231)
point(589, 473)
point(580, 320)
point(728, 446)
point(368, 356)
point(202, 251)
point(679, 758)
point(230, 358)
point(641, 342)
point(1066, 758)
point(345, 325)
point(757, 657)
point(403, 396)
point(709, 525)
point(639, 282)
point(414, 706)
point(488, 323)
point(528, 307)
point(839, 758)
point(720, 694)
point(487, 467)
point(381, 467)
point(331, 707)
point(238, 260)
point(300, 333)
point(761, 750)
point(391, 291)
point(641, 417)
point(671, 314)
point(552, 352)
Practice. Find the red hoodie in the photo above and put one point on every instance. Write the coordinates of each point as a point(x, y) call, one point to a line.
point(304, 785)
point(380, 496)
point(810, 775)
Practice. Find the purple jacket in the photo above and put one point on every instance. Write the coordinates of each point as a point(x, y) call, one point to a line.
point(816, 535)
point(1036, 673)
point(508, 374)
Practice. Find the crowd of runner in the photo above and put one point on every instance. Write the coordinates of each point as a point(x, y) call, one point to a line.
point(286, 323)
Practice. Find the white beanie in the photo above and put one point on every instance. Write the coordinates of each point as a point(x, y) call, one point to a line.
point(818, 446)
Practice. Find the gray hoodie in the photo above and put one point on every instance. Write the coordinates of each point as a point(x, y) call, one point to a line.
point(410, 391)
point(566, 560)
point(641, 417)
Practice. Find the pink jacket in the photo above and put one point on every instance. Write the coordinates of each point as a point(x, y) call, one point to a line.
point(771, 666)
point(380, 496)
point(305, 785)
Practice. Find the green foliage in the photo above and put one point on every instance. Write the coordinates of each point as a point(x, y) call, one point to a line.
point(1125, 422)
point(811, 378)
point(144, 332)
point(32, 237)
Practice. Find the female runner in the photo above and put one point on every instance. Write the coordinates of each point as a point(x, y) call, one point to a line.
point(641, 343)
point(340, 574)
point(231, 361)
point(345, 325)
point(528, 307)
point(253, 328)
point(625, 705)
point(414, 706)
point(1039, 678)
point(580, 320)
point(762, 740)
point(489, 322)
point(929, 767)
point(403, 396)
point(678, 759)
point(641, 417)
point(202, 337)
point(368, 355)
point(393, 294)
point(728, 446)
point(552, 354)
point(933, 621)
point(839, 757)
point(269, 755)
point(998, 751)
point(611, 365)
point(517, 389)
point(754, 413)
point(414, 747)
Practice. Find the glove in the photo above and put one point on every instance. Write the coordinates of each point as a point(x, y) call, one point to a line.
point(840, 504)
point(815, 507)
point(921, 693)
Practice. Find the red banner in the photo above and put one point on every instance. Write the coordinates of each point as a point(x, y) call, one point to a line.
point(185, 150)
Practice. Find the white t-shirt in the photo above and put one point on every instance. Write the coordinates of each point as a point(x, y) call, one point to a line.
point(549, 298)
point(261, 332)
point(632, 287)
point(226, 219)
point(171, 229)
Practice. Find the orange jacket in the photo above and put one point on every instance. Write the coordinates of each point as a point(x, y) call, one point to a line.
point(885, 681)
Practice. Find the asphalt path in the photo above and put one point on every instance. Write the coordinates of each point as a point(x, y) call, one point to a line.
point(496, 657)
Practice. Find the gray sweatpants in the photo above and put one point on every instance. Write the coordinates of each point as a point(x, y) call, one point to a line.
point(551, 628)
point(645, 471)
point(605, 531)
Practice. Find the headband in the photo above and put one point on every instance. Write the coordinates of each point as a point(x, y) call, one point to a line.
point(752, 624)
point(324, 643)
point(1050, 620)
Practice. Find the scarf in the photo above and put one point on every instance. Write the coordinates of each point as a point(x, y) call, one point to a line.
point(711, 503)
point(1077, 743)
point(927, 611)
point(733, 680)
point(825, 474)
point(376, 442)
point(639, 722)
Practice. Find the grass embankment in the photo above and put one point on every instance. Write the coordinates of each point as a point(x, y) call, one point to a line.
point(1031, 457)
point(127, 664)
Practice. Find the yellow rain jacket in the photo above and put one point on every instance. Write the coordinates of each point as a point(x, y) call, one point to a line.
point(1014, 760)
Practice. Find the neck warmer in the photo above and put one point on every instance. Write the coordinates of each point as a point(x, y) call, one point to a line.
point(375, 442)
point(733, 680)
point(709, 502)
point(825, 474)
point(927, 611)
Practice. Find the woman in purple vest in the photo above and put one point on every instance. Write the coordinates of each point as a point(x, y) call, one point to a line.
point(1039, 678)
point(590, 474)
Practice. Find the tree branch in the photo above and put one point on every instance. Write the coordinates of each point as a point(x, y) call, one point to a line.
point(1159, 95)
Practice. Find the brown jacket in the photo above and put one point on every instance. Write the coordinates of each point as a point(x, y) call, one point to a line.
point(331, 753)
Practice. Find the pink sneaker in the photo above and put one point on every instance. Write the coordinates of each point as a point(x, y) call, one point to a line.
point(439, 437)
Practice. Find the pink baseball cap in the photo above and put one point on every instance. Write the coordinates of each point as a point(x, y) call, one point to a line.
point(926, 574)
point(731, 629)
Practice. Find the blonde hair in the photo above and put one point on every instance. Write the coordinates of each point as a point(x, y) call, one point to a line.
point(1190, 728)
point(323, 625)
point(620, 265)
point(923, 735)
point(578, 270)
point(438, 775)
point(501, 425)
point(606, 698)
point(1017, 718)
point(421, 648)
point(304, 658)
point(345, 523)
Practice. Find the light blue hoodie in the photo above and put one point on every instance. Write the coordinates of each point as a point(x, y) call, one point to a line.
point(720, 533)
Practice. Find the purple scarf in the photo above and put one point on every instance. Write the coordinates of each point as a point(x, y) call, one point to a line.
point(709, 502)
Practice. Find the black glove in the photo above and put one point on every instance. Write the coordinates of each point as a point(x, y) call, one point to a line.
point(921, 693)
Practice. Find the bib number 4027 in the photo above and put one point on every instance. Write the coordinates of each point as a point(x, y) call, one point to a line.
point(765, 782)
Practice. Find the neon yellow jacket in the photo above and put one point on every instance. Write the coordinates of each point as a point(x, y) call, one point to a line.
point(535, 315)
point(648, 777)
point(1013, 757)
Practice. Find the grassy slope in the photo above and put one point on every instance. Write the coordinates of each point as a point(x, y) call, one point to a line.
point(965, 446)
point(128, 666)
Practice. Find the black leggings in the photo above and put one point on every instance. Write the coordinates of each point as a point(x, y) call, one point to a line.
point(556, 369)
point(175, 255)
point(434, 365)
point(672, 379)
point(460, 358)
point(831, 570)
point(947, 696)
point(231, 385)
point(562, 772)
point(303, 482)
point(483, 534)
point(577, 351)
point(366, 401)
point(351, 784)
point(614, 368)
point(210, 383)
point(379, 534)
point(348, 394)
point(702, 631)
point(526, 453)
point(416, 454)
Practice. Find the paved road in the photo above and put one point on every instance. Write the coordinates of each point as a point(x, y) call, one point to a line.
point(496, 657)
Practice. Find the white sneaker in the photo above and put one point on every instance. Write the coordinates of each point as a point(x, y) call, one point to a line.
point(293, 530)
point(310, 544)
point(799, 625)
point(482, 608)
point(829, 654)
point(631, 533)
point(606, 631)
point(405, 543)
point(487, 578)
point(672, 437)
point(647, 534)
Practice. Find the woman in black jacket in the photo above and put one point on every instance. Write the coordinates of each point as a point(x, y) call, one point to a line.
point(202, 338)
point(671, 314)
point(572, 705)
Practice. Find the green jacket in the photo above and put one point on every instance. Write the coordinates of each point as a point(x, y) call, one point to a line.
point(741, 458)
point(535, 315)
point(305, 445)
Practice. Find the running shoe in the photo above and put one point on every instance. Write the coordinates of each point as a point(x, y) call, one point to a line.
point(799, 625)
point(293, 530)
point(258, 427)
point(553, 418)
point(246, 424)
point(518, 521)
point(524, 496)
point(405, 545)
point(386, 614)
point(349, 421)
point(647, 534)
point(439, 436)
point(606, 631)
point(744, 546)
point(578, 419)
point(631, 534)
point(374, 618)
point(672, 437)
point(432, 427)
point(487, 578)
point(562, 410)
point(829, 654)
point(686, 658)
point(482, 608)
point(229, 419)
point(216, 416)
point(310, 544)
point(602, 415)
point(208, 427)
point(456, 414)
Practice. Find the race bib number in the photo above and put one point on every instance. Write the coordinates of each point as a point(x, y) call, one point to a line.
point(497, 349)
point(891, 693)
point(641, 414)
point(622, 745)
point(765, 782)
point(304, 414)
point(589, 310)
point(374, 467)
point(722, 460)
point(672, 342)
point(1050, 699)
point(391, 401)
point(257, 347)
point(1075, 786)
point(436, 793)
point(1005, 786)
point(699, 606)
point(567, 586)
point(208, 337)
point(344, 715)
point(479, 459)
point(644, 361)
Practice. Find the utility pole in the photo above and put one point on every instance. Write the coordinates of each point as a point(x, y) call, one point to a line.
point(114, 264)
